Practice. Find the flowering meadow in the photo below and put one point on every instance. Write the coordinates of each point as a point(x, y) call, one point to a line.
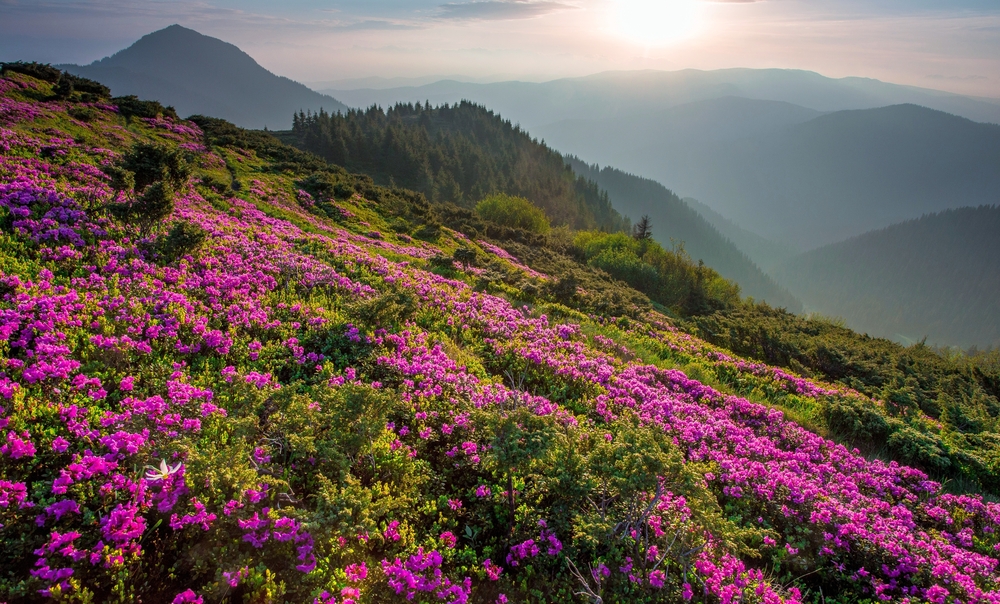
point(269, 396)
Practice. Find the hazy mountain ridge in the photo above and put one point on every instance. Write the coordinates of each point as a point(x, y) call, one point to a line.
point(712, 120)
point(786, 154)
point(198, 74)
point(675, 222)
point(620, 93)
point(937, 277)
point(838, 175)
point(765, 253)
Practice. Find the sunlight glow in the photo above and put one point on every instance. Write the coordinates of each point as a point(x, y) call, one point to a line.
point(653, 22)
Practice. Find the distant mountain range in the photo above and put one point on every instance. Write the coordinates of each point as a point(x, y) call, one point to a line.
point(674, 221)
point(780, 162)
point(838, 175)
point(801, 159)
point(620, 94)
point(198, 74)
point(937, 277)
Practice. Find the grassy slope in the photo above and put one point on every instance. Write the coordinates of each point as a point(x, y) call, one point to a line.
point(336, 391)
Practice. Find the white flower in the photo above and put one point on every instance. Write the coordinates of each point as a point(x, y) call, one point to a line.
point(154, 474)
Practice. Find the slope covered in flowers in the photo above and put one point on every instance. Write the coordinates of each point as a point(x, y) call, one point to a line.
point(314, 409)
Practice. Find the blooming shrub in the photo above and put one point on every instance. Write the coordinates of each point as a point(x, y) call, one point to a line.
point(295, 411)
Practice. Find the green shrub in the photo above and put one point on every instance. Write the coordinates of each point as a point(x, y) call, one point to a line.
point(87, 87)
point(147, 177)
point(63, 88)
point(513, 212)
point(148, 209)
point(41, 71)
point(625, 265)
point(184, 239)
point(669, 277)
point(853, 419)
point(131, 106)
point(918, 448)
point(149, 163)
point(84, 114)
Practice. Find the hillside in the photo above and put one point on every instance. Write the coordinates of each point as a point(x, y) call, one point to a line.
point(936, 277)
point(220, 387)
point(838, 175)
point(457, 154)
point(673, 220)
point(764, 252)
point(198, 74)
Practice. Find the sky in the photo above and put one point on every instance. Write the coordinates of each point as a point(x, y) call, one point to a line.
point(949, 45)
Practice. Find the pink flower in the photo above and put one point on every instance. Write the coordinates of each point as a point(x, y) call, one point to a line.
point(657, 578)
point(235, 578)
point(18, 447)
point(449, 539)
point(356, 572)
point(188, 597)
point(260, 456)
point(492, 570)
point(350, 592)
point(391, 533)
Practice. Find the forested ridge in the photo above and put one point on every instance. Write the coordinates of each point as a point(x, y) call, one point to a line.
point(454, 153)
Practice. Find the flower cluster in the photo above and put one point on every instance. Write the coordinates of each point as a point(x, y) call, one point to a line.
point(244, 399)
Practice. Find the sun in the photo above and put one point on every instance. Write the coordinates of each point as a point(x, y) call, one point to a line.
point(653, 22)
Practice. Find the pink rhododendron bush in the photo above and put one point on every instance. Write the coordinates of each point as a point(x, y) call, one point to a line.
point(220, 382)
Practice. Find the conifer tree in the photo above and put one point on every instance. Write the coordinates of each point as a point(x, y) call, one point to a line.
point(643, 229)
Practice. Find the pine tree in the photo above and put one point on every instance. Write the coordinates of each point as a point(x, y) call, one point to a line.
point(643, 229)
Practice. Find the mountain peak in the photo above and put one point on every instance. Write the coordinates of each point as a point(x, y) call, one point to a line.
point(200, 74)
point(175, 44)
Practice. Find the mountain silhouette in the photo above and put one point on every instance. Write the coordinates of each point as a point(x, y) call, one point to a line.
point(198, 74)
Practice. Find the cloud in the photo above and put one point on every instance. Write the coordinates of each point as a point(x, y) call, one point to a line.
point(498, 10)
